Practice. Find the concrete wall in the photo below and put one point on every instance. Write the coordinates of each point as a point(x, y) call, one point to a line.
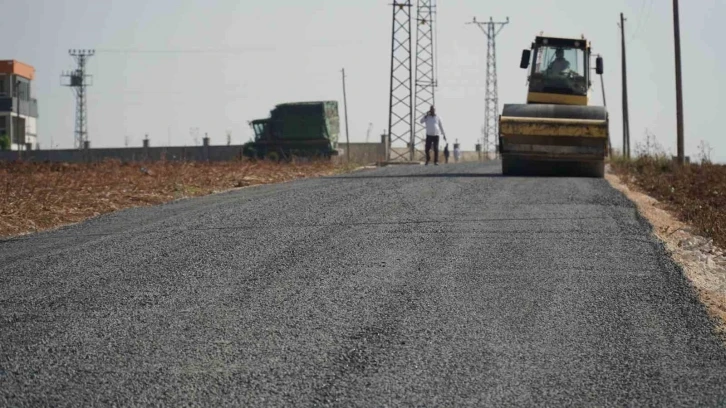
point(196, 153)
point(363, 153)
point(360, 153)
point(466, 156)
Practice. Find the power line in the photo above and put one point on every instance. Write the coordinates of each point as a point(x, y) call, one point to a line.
point(182, 51)
point(642, 20)
point(232, 51)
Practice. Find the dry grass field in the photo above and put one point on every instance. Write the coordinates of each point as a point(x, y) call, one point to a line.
point(40, 196)
point(695, 193)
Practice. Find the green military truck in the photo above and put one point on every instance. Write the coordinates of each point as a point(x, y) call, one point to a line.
point(301, 129)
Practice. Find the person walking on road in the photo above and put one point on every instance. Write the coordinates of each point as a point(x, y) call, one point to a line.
point(446, 153)
point(457, 151)
point(434, 128)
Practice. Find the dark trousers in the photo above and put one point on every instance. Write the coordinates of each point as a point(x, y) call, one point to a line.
point(432, 141)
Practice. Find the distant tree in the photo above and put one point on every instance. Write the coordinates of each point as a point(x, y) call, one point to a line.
point(194, 133)
point(4, 141)
point(704, 152)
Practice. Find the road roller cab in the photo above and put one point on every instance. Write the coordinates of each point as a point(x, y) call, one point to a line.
point(555, 131)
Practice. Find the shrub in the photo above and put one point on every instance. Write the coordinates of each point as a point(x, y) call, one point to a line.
point(4, 142)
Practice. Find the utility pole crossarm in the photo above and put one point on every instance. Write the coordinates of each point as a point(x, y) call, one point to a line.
point(481, 25)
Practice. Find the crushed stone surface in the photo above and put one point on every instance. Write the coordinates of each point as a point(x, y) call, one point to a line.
point(402, 286)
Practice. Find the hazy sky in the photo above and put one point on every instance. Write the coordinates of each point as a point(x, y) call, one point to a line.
point(284, 50)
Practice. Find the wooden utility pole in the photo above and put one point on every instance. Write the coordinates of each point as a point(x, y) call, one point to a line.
point(605, 104)
point(626, 120)
point(679, 84)
point(347, 135)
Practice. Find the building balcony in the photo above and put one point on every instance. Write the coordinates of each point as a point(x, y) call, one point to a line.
point(28, 107)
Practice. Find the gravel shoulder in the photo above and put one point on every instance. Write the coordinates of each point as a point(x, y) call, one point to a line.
point(703, 263)
point(401, 286)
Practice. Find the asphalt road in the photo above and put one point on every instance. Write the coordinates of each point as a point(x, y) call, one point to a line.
point(404, 286)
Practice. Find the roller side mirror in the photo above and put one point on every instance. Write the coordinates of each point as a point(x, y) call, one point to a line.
point(524, 63)
point(599, 66)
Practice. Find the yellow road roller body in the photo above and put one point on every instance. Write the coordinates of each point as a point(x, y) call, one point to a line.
point(556, 132)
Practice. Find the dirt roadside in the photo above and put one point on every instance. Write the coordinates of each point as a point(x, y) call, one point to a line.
point(704, 263)
point(41, 196)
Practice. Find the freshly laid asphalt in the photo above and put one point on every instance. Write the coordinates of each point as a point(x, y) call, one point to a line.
point(402, 286)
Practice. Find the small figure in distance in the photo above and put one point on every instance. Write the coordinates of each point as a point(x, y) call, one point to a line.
point(457, 151)
point(433, 129)
point(446, 153)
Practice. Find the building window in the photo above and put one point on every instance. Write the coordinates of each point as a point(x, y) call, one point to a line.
point(20, 90)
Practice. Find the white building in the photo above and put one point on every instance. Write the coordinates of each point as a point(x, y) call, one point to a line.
point(18, 108)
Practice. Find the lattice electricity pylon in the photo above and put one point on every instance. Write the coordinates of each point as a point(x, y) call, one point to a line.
point(425, 72)
point(491, 106)
point(400, 118)
point(78, 80)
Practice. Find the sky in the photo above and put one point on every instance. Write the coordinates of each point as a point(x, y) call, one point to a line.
point(165, 67)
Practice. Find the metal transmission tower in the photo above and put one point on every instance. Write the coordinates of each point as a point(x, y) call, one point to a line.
point(426, 81)
point(400, 117)
point(491, 29)
point(79, 80)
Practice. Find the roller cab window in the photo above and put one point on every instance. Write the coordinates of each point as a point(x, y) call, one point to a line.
point(559, 69)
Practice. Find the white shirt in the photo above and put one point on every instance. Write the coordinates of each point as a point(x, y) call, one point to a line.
point(433, 124)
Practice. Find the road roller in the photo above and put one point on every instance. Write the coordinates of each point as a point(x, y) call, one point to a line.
point(556, 132)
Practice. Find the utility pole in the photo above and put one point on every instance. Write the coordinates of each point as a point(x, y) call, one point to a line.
point(626, 120)
point(194, 133)
point(79, 81)
point(605, 104)
point(345, 109)
point(17, 97)
point(400, 113)
point(679, 84)
point(491, 107)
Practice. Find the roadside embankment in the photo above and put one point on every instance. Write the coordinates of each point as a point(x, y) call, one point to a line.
point(687, 208)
